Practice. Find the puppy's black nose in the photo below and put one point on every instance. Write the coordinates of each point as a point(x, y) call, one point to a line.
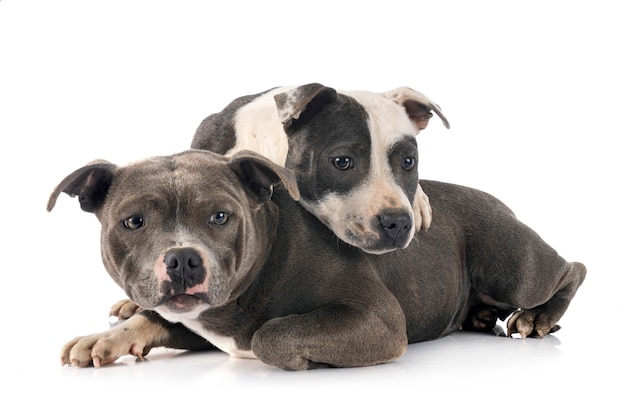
point(396, 227)
point(184, 267)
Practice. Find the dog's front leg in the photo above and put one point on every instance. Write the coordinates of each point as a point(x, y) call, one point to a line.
point(135, 336)
point(333, 336)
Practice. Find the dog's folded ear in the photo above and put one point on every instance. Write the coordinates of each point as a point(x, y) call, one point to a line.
point(417, 106)
point(90, 183)
point(298, 105)
point(260, 175)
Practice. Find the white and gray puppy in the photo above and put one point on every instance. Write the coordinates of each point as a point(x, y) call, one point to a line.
point(370, 210)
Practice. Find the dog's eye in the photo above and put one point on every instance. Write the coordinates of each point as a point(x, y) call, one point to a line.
point(134, 223)
point(408, 163)
point(219, 218)
point(343, 163)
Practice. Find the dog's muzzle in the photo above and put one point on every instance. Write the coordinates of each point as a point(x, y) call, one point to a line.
point(185, 269)
point(185, 289)
point(395, 229)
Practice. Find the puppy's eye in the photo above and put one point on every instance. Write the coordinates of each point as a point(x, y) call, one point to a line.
point(343, 163)
point(134, 223)
point(219, 218)
point(408, 163)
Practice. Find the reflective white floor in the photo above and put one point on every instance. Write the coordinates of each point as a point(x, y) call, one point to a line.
point(469, 372)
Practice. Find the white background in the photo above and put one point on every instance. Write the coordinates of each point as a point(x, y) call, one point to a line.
point(534, 92)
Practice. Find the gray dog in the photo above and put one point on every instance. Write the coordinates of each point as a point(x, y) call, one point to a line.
point(219, 254)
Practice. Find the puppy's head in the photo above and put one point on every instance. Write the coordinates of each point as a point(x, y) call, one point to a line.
point(181, 233)
point(355, 158)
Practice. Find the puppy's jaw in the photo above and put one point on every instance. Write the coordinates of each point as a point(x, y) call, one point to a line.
point(355, 217)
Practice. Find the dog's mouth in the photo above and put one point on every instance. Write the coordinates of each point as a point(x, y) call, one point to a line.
point(182, 303)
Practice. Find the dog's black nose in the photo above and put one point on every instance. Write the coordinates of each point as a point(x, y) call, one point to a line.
point(396, 227)
point(184, 267)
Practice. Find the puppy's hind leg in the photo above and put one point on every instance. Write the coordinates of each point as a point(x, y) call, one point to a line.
point(541, 320)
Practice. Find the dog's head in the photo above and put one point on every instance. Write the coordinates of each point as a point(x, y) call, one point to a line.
point(181, 233)
point(355, 158)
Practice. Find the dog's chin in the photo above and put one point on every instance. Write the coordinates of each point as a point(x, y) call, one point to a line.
point(377, 250)
point(183, 304)
point(375, 245)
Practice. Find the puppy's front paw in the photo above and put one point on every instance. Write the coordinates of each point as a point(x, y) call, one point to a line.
point(124, 309)
point(531, 323)
point(422, 211)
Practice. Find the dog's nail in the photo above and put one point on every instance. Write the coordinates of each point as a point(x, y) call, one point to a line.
point(134, 350)
point(96, 362)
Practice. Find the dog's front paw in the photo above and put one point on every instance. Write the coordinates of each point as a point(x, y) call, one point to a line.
point(129, 338)
point(531, 323)
point(124, 309)
point(422, 211)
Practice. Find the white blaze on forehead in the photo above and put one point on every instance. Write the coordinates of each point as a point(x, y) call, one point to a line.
point(259, 129)
point(388, 124)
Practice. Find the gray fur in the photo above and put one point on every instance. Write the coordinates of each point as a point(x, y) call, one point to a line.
point(279, 284)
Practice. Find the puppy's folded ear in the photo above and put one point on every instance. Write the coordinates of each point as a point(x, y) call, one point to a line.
point(296, 106)
point(260, 175)
point(417, 106)
point(90, 183)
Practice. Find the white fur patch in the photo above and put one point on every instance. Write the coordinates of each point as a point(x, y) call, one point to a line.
point(259, 129)
point(388, 121)
point(224, 343)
